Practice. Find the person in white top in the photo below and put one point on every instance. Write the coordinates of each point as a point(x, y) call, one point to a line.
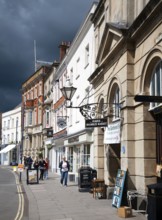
point(64, 167)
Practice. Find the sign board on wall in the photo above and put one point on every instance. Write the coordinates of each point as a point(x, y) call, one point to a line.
point(100, 122)
point(112, 133)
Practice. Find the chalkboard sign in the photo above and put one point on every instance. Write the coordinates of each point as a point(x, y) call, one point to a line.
point(84, 177)
point(118, 190)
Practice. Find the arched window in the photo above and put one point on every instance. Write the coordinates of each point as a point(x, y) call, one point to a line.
point(116, 100)
point(156, 83)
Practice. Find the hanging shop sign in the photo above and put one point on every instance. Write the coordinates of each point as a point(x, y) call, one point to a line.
point(61, 122)
point(100, 122)
point(50, 133)
point(112, 133)
point(147, 98)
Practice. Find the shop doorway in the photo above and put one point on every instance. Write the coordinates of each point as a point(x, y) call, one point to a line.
point(159, 138)
point(113, 162)
point(159, 142)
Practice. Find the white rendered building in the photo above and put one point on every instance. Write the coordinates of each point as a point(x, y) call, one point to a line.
point(11, 136)
point(71, 138)
point(80, 65)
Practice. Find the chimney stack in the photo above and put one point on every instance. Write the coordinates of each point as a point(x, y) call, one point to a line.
point(63, 49)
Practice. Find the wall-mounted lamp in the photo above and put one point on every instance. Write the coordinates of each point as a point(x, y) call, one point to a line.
point(68, 91)
point(89, 111)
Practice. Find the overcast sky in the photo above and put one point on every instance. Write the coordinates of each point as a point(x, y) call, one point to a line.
point(49, 22)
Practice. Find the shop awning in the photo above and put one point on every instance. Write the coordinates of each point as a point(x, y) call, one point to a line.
point(8, 148)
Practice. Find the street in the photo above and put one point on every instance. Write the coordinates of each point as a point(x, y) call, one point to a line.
point(11, 197)
point(49, 200)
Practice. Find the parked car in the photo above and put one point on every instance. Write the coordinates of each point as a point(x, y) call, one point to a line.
point(13, 163)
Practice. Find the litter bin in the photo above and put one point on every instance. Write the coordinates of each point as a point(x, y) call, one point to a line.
point(84, 178)
point(154, 197)
point(32, 176)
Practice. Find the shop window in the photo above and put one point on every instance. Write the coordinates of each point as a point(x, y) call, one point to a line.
point(70, 158)
point(78, 164)
point(86, 155)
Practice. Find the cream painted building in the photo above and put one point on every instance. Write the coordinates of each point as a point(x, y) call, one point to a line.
point(128, 62)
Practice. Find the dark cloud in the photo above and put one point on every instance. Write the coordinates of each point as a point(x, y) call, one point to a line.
point(22, 21)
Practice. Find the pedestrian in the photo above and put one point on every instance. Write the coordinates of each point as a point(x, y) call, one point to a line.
point(29, 162)
point(46, 169)
point(36, 163)
point(42, 168)
point(65, 167)
point(25, 161)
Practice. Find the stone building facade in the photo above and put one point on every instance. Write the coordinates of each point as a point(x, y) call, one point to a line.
point(128, 62)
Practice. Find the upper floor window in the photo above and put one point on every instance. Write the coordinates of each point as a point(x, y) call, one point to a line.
point(8, 138)
point(47, 119)
point(17, 121)
point(77, 68)
point(8, 126)
point(30, 118)
point(35, 92)
point(156, 83)
point(4, 124)
point(71, 75)
point(40, 89)
point(87, 55)
point(39, 116)
point(31, 94)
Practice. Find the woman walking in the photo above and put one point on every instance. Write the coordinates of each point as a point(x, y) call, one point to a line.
point(46, 169)
point(65, 167)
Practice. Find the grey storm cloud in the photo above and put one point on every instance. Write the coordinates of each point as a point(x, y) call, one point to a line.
point(48, 22)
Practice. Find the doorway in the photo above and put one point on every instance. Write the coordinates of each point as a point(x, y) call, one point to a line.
point(113, 162)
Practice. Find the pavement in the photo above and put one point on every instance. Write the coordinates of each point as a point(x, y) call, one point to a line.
point(49, 200)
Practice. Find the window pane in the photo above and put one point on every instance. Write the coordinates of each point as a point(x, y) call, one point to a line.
point(156, 84)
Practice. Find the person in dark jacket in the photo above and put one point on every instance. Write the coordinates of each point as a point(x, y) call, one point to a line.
point(64, 167)
point(29, 162)
point(36, 164)
point(42, 168)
